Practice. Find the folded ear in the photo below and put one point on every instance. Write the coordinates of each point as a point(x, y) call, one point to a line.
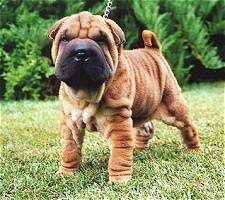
point(150, 40)
point(117, 32)
point(55, 28)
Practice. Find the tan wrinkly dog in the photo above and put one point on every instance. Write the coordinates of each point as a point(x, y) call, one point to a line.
point(141, 87)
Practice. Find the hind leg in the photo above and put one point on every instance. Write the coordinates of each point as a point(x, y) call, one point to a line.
point(174, 111)
point(143, 135)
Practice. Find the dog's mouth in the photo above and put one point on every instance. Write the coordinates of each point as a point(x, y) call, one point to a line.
point(83, 77)
point(82, 65)
point(92, 96)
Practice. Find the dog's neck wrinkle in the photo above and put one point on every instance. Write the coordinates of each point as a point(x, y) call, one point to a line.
point(120, 81)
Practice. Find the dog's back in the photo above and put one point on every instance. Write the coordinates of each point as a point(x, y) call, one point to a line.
point(152, 77)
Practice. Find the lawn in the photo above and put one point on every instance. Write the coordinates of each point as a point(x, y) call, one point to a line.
point(30, 144)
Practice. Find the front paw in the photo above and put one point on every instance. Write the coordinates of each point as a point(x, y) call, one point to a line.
point(65, 171)
point(194, 146)
point(120, 179)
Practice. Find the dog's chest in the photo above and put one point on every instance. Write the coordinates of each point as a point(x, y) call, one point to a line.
point(85, 116)
point(88, 116)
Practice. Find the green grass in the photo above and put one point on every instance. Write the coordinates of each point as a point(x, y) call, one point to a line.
point(30, 145)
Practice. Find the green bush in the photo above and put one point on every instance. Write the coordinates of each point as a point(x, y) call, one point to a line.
point(25, 67)
point(185, 29)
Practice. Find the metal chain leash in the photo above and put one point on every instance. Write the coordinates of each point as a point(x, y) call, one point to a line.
point(107, 9)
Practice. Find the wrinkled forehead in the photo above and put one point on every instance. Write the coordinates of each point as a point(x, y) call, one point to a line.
point(85, 25)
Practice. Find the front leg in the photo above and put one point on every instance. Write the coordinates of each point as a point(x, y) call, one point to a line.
point(121, 153)
point(71, 144)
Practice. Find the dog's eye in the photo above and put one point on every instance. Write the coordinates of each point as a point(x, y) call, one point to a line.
point(101, 41)
point(65, 39)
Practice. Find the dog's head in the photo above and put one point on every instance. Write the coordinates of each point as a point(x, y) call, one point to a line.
point(85, 50)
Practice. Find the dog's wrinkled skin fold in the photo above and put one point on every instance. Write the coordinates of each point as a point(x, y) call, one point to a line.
point(117, 92)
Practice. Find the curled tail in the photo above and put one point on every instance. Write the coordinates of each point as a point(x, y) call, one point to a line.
point(151, 40)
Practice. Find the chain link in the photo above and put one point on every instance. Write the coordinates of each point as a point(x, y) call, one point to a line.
point(107, 9)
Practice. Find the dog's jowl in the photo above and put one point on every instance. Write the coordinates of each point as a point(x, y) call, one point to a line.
point(113, 91)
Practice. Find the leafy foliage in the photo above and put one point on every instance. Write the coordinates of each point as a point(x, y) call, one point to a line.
point(185, 29)
point(195, 32)
point(25, 66)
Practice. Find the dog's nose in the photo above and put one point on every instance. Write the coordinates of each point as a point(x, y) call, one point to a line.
point(81, 56)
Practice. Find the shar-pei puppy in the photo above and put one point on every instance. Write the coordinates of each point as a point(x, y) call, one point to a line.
point(113, 91)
